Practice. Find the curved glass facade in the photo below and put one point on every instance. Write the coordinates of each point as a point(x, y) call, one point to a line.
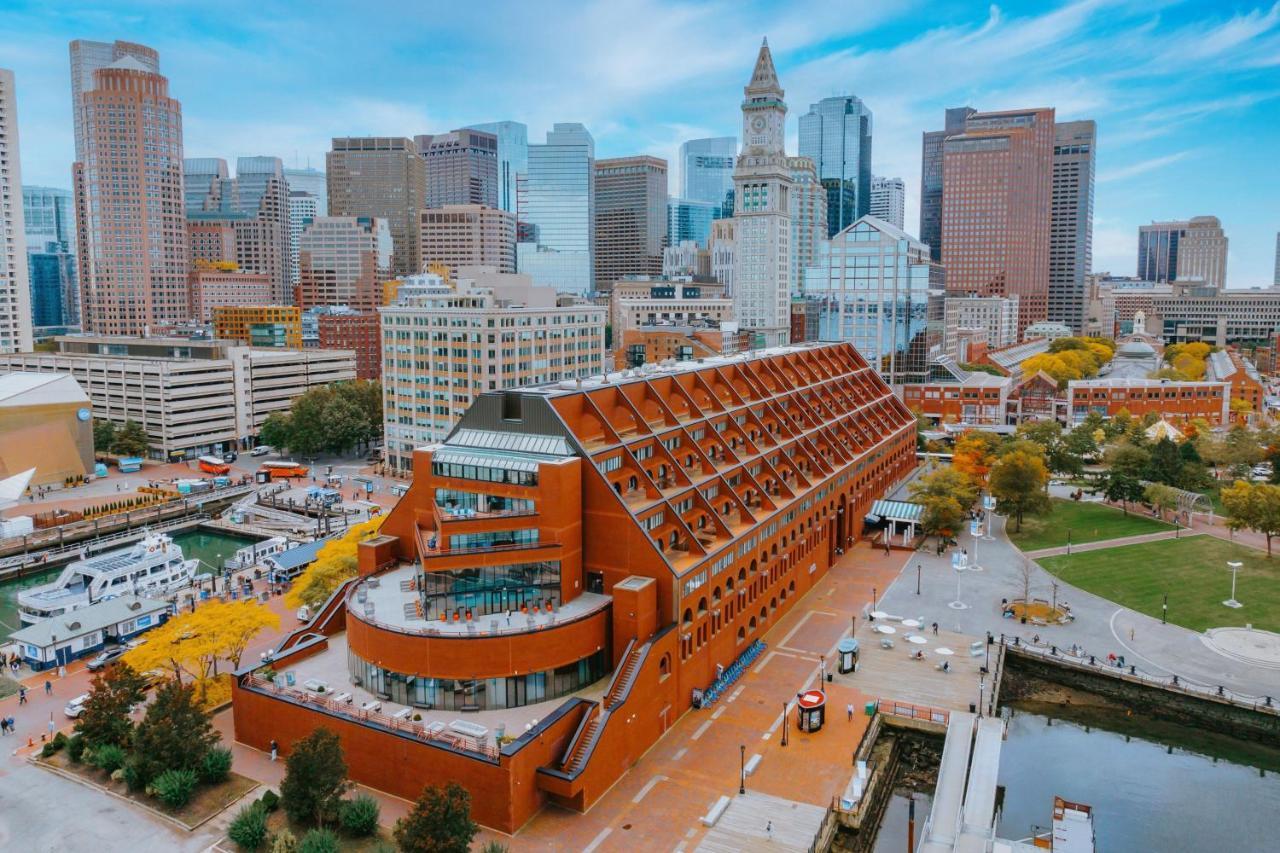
point(489, 589)
point(480, 694)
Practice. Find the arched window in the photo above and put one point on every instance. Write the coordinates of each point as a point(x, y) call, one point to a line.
point(664, 665)
point(742, 632)
point(702, 606)
point(715, 595)
point(688, 618)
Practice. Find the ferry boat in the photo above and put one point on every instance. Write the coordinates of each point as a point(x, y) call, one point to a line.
point(1071, 832)
point(151, 567)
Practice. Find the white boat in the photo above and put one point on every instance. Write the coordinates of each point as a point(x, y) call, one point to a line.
point(153, 567)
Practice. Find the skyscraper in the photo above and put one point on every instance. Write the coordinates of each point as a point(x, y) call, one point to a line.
point(808, 217)
point(630, 217)
point(313, 182)
point(343, 260)
point(762, 210)
point(513, 157)
point(690, 220)
point(1182, 250)
point(889, 200)
point(462, 167)
point(556, 209)
point(836, 135)
point(131, 229)
point(15, 286)
point(381, 177)
point(1071, 222)
point(86, 58)
point(706, 168)
point(996, 200)
point(1277, 279)
point(468, 235)
point(931, 165)
point(303, 207)
point(51, 255)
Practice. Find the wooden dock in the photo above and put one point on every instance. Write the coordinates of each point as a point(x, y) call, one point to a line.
point(894, 674)
point(756, 821)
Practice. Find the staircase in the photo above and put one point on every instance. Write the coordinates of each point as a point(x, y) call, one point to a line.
point(632, 657)
point(580, 749)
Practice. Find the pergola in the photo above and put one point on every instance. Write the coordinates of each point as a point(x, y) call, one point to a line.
point(1189, 502)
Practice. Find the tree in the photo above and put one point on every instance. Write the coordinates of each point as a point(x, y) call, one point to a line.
point(974, 452)
point(315, 778)
point(112, 694)
point(1162, 497)
point(1241, 451)
point(175, 734)
point(1127, 459)
point(334, 563)
point(104, 435)
point(1255, 506)
point(130, 439)
point(946, 495)
point(192, 643)
point(1165, 462)
point(1018, 481)
point(275, 431)
point(440, 822)
point(1122, 487)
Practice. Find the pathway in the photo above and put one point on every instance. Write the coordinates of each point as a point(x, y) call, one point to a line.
point(1111, 543)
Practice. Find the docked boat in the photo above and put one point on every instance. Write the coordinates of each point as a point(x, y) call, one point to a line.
point(152, 567)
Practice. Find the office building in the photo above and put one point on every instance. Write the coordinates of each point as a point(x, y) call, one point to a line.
point(556, 209)
point(462, 167)
point(889, 201)
point(1194, 312)
point(312, 182)
point(468, 235)
point(723, 248)
point(513, 158)
point(1277, 276)
point(931, 171)
point(836, 135)
point(1000, 170)
point(763, 187)
point(343, 260)
point(706, 170)
point(705, 528)
point(132, 236)
point(444, 345)
point(655, 302)
point(630, 217)
point(355, 332)
point(808, 217)
point(1071, 222)
point(663, 343)
point(303, 207)
point(380, 178)
point(806, 315)
point(1183, 250)
point(690, 220)
point(191, 397)
point(874, 284)
point(686, 258)
point(994, 318)
point(49, 217)
point(89, 56)
point(15, 283)
point(1175, 401)
point(261, 325)
point(224, 284)
point(950, 393)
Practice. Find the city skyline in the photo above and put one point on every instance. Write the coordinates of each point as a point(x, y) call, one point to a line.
point(1160, 83)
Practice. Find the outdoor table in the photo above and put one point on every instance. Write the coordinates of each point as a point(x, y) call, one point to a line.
point(885, 629)
point(910, 623)
point(878, 614)
point(917, 639)
point(944, 651)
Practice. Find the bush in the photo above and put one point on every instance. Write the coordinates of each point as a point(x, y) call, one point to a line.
point(359, 816)
point(59, 741)
point(75, 748)
point(215, 765)
point(174, 787)
point(284, 842)
point(47, 750)
point(117, 775)
point(494, 847)
point(133, 776)
point(318, 841)
point(249, 827)
point(270, 800)
point(109, 757)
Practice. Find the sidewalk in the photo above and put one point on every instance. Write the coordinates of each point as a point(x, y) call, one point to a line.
point(1112, 543)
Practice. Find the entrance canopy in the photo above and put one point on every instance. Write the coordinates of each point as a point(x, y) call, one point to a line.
point(903, 511)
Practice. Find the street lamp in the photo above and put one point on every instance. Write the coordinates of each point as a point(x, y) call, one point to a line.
point(917, 578)
point(1234, 565)
point(784, 723)
point(742, 769)
point(1164, 610)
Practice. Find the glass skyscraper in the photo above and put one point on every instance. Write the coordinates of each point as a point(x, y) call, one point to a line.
point(51, 255)
point(690, 220)
point(706, 169)
point(836, 135)
point(878, 289)
point(557, 206)
point(513, 157)
point(313, 182)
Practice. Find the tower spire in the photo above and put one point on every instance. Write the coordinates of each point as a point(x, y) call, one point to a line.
point(765, 77)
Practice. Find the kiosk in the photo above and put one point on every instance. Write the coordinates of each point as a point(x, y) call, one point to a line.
point(847, 649)
point(811, 707)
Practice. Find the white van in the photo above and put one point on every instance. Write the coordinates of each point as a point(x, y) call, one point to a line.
point(76, 706)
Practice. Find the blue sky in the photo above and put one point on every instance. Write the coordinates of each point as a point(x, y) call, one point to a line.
point(1186, 94)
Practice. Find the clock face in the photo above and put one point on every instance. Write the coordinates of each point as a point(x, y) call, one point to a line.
point(83, 414)
point(757, 124)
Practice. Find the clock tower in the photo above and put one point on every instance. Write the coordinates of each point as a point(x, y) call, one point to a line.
point(763, 187)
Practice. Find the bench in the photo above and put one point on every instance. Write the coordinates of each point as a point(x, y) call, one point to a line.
point(373, 706)
point(752, 763)
point(710, 818)
point(402, 714)
point(343, 697)
point(436, 728)
point(474, 730)
point(315, 685)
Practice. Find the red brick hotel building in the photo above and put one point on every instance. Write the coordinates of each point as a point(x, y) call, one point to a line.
point(572, 563)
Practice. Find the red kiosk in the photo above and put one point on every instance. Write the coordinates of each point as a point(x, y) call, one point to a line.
point(811, 710)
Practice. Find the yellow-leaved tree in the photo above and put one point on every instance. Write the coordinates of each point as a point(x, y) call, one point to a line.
point(334, 563)
point(974, 453)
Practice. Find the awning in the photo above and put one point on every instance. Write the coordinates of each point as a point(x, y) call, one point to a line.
point(896, 511)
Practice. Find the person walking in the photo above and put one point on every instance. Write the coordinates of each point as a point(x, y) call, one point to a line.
point(22, 695)
point(275, 748)
point(935, 629)
point(849, 710)
point(48, 687)
point(4, 726)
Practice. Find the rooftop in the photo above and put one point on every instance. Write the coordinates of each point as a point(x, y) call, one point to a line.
point(86, 620)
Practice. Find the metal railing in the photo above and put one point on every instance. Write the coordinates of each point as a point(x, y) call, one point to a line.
point(462, 743)
point(1130, 672)
point(895, 708)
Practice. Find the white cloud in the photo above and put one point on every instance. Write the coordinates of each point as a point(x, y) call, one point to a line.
point(1141, 167)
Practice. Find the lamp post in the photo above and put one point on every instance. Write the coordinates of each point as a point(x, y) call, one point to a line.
point(742, 769)
point(784, 723)
point(917, 578)
point(1164, 610)
point(1234, 565)
point(873, 598)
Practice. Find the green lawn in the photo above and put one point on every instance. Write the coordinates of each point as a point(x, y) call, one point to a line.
point(1192, 571)
point(1086, 522)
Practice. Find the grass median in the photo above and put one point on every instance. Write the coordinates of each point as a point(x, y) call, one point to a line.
point(1084, 522)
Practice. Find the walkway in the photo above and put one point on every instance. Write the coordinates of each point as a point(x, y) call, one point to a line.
point(1112, 543)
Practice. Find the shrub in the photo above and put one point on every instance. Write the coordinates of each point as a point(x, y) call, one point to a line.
point(174, 787)
point(249, 827)
point(284, 842)
point(75, 748)
point(109, 757)
point(318, 841)
point(117, 775)
point(133, 776)
point(494, 847)
point(359, 816)
point(215, 765)
point(47, 750)
point(59, 741)
point(270, 800)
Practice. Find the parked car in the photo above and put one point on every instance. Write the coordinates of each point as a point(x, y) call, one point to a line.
point(230, 456)
point(105, 658)
point(156, 677)
point(261, 450)
point(76, 706)
point(304, 613)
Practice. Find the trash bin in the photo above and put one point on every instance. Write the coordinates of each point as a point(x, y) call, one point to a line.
point(870, 709)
